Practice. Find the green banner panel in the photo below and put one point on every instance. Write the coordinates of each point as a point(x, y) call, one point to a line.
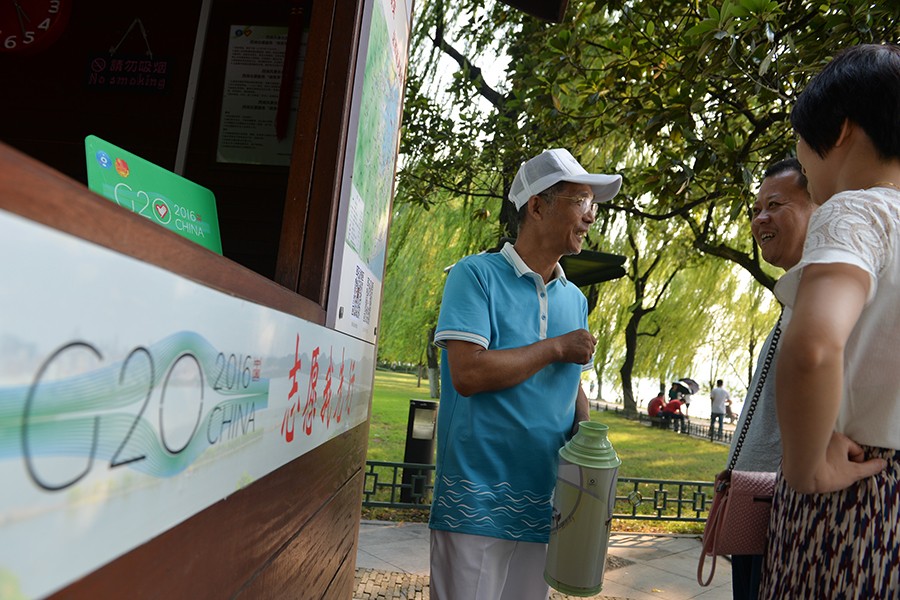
point(163, 197)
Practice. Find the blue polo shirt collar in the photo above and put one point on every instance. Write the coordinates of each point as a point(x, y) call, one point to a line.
point(510, 254)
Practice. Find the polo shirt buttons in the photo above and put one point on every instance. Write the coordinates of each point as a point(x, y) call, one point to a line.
point(543, 317)
point(543, 295)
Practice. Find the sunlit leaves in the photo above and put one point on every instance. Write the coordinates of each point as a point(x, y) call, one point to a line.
point(688, 100)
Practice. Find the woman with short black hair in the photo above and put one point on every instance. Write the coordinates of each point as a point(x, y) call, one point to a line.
point(835, 527)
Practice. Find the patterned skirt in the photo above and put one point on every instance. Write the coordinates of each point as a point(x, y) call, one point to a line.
point(843, 545)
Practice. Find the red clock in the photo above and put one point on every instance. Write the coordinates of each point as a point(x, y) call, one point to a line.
point(29, 26)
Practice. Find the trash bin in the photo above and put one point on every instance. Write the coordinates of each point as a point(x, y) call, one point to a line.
point(420, 436)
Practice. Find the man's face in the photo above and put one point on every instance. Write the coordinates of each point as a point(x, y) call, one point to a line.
point(567, 222)
point(780, 218)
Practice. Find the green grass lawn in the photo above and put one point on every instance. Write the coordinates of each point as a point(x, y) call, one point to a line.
point(646, 452)
point(390, 414)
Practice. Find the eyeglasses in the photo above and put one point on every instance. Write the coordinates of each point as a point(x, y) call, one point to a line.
point(585, 203)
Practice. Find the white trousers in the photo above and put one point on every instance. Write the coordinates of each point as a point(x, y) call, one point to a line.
point(475, 567)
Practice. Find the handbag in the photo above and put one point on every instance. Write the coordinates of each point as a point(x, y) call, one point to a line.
point(738, 519)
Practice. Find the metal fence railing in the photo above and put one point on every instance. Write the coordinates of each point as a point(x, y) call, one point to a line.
point(384, 485)
point(636, 498)
point(663, 499)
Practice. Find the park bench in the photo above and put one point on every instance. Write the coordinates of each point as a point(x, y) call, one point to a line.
point(659, 422)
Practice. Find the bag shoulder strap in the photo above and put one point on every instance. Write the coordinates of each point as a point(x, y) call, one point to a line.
point(712, 570)
point(713, 525)
point(764, 373)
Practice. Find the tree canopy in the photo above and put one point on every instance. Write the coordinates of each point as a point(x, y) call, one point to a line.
point(689, 101)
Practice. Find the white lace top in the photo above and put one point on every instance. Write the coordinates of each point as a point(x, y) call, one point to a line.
point(862, 228)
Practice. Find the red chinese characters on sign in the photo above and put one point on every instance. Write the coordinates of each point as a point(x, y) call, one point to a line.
point(128, 73)
point(350, 386)
point(331, 409)
point(338, 406)
point(309, 411)
point(326, 393)
point(342, 404)
point(287, 424)
point(342, 395)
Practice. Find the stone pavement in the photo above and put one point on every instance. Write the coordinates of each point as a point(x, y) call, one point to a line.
point(381, 585)
point(392, 563)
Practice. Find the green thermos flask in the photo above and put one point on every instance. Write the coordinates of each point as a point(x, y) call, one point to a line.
point(582, 512)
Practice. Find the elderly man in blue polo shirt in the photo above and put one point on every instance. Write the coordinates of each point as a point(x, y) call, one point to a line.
point(516, 342)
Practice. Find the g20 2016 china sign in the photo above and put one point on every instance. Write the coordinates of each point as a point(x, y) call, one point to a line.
point(132, 398)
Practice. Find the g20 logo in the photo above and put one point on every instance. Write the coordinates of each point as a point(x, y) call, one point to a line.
point(103, 159)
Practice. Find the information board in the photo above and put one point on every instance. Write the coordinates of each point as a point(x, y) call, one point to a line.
point(251, 94)
point(366, 195)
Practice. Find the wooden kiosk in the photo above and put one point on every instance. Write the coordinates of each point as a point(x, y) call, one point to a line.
point(184, 417)
point(174, 422)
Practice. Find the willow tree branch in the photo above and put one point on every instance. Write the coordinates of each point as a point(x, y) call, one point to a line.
point(470, 71)
point(729, 253)
point(450, 188)
point(659, 217)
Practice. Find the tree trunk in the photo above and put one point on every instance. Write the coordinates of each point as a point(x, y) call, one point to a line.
point(628, 365)
point(637, 313)
point(592, 297)
point(434, 369)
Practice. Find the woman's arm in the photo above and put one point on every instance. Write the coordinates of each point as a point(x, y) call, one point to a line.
point(809, 381)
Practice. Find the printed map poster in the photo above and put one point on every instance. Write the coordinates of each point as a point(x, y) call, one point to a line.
point(250, 98)
point(138, 398)
point(366, 199)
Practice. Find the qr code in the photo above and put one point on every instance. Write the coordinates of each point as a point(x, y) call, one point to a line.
point(357, 293)
point(370, 291)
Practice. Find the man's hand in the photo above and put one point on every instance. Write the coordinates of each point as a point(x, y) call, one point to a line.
point(577, 347)
point(475, 369)
point(843, 466)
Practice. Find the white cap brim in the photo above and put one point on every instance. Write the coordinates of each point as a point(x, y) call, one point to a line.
point(605, 186)
point(553, 166)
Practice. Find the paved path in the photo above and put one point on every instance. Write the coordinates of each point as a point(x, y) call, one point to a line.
point(392, 563)
point(381, 585)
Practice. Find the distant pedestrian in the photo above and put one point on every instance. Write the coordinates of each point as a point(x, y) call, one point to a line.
point(674, 392)
point(656, 405)
point(672, 412)
point(719, 397)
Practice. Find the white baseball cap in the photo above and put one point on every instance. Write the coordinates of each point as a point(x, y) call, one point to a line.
point(553, 166)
